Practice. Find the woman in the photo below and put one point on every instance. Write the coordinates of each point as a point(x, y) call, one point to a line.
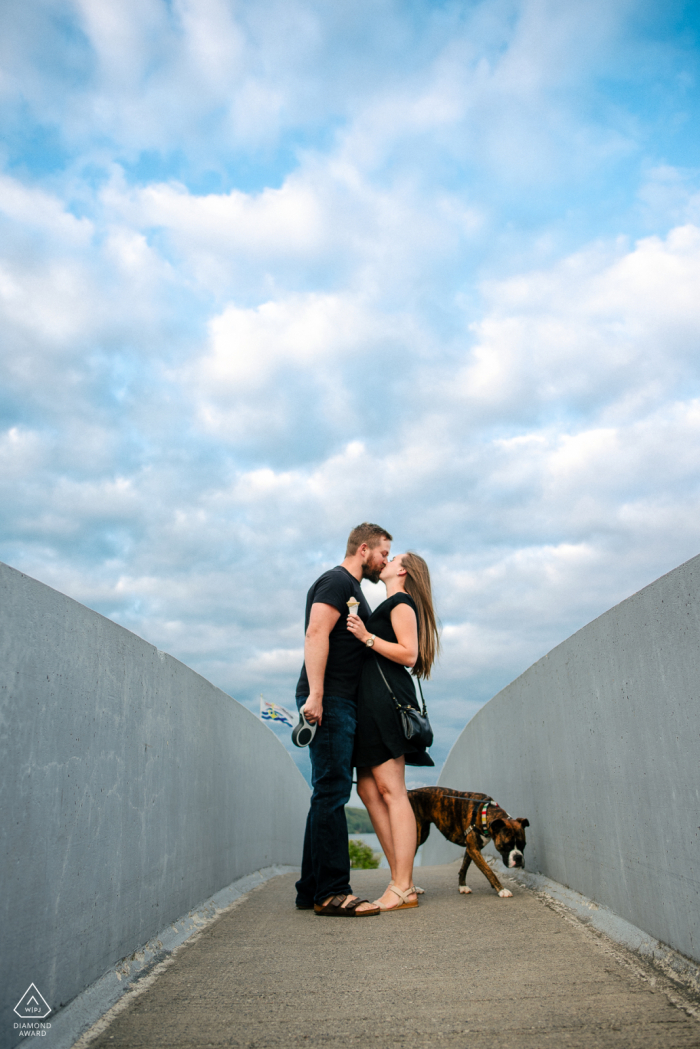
point(405, 635)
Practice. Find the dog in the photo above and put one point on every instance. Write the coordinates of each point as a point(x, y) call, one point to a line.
point(471, 820)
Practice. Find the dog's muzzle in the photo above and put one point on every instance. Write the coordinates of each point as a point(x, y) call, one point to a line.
point(515, 858)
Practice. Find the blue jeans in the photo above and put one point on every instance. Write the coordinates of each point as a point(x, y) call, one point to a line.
point(325, 865)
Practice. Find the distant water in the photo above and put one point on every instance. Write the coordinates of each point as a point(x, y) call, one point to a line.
point(373, 841)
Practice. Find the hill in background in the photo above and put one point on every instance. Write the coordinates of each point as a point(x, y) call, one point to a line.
point(358, 821)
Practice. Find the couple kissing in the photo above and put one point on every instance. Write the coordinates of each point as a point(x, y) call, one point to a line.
point(354, 672)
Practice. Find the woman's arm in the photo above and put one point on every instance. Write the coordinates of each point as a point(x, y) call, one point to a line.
point(403, 620)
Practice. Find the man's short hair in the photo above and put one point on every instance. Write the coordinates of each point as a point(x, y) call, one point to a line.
point(372, 534)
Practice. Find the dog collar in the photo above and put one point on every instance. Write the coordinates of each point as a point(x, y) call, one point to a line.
point(480, 823)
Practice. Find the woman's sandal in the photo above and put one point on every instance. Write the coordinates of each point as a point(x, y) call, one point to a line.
point(403, 896)
point(414, 888)
point(335, 907)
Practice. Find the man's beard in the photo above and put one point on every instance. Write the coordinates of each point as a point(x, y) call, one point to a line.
point(372, 572)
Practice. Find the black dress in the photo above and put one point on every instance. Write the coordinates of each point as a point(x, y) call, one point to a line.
point(379, 733)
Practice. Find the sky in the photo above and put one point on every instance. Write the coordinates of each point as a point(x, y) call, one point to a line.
point(269, 269)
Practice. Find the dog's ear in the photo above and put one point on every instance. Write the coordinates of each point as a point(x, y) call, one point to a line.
point(496, 825)
point(523, 821)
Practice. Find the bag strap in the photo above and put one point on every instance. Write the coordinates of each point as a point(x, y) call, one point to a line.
point(424, 712)
point(398, 705)
point(422, 697)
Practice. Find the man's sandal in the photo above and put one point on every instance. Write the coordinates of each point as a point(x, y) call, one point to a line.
point(403, 896)
point(336, 908)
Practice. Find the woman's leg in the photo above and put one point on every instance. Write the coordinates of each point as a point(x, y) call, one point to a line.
point(378, 813)
point(391, 785)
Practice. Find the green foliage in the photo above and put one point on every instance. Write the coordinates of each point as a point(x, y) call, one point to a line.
point(361, 856)
point(358, 821)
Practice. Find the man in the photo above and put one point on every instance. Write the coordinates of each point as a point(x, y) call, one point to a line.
point(327, 694)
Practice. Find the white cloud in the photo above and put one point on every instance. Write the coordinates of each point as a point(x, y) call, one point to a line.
point(599, 323)
point(251, 346)
point(669, 196)
point(50, 302)
point(286, 661)
point(21, 452)
point(122, 37)
point(283, 222)
point(38, 210)
point(327, 225)
point(315, 356)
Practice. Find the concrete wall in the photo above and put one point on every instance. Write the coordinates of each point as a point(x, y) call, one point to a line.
point(132, 790)
point(598, 744)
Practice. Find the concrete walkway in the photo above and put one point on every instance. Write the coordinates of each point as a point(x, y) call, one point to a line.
point(460, 971)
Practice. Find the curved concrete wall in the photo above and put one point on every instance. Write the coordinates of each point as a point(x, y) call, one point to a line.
point(598, 745)
point(132, 790)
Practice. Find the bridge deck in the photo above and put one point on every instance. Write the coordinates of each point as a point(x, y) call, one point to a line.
point(461, 970)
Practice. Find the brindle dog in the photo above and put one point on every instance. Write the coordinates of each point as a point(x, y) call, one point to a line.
point(471, 820)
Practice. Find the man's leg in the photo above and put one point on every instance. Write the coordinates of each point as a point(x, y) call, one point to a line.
point(306, 886)
point(331, 762)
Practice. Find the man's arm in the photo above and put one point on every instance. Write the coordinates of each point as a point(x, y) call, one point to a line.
point(321, 621)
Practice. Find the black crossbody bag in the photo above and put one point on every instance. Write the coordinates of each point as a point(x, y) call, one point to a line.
point(416, 725)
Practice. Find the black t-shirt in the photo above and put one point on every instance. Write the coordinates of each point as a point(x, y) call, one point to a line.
point(346, 654)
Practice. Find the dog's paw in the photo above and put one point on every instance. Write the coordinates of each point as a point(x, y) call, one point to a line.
point(464, 888)
point(417, 889)
point(505, 894)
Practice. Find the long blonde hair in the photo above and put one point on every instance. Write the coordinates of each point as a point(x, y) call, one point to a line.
point(418, 587)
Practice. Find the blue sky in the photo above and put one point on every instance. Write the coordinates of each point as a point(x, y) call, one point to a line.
point(270, 269)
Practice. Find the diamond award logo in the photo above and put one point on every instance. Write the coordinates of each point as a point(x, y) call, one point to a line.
point(32, 1005)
